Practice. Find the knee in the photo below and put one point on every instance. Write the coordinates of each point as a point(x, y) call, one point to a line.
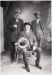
point(24, 50)
point(39, 50)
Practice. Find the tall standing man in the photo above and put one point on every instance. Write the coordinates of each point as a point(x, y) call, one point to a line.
point(16, 26)
point(37, 27)
point(38, 30)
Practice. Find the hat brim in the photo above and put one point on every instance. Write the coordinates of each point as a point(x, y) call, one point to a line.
point(17, 12)
point(36, 14)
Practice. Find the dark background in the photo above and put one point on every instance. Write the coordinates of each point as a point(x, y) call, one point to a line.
point(28, 8)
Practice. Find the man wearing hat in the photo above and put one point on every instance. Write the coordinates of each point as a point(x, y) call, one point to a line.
point(37, 29)
point(15, 27)
point(31, 45)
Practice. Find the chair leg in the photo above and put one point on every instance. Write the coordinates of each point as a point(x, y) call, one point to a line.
point(17, 55)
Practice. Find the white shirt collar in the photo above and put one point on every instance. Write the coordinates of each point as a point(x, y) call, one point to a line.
point(38, 21)
point(17, 20)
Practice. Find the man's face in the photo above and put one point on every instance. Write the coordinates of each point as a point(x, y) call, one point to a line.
point(38, 17)
point(17, 16)
point(27, 27)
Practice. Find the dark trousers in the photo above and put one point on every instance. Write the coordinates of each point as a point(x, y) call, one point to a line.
point(25, 58)
point(38, 55)
point(12, 51)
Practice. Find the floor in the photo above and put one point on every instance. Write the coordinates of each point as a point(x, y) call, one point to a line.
point(17, 68)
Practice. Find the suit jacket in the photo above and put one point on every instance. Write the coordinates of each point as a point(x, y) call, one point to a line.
point(31, 38)
point(37, 29)
point(15, 31)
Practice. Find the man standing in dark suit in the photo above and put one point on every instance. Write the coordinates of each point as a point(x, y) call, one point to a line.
point(16, 26)
point(37, 29)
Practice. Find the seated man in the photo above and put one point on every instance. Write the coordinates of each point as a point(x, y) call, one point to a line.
point(30, 38)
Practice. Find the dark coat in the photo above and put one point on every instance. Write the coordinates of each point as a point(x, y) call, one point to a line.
point(31, 37)
point(37, 29)
point(15, 32)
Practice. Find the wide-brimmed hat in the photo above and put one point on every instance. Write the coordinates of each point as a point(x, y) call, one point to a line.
point(27, 23)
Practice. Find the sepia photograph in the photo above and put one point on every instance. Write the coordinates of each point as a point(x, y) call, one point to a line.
point(25, 37)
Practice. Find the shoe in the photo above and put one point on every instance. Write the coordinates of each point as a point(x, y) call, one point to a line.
point(28, 70)
point(38, 66)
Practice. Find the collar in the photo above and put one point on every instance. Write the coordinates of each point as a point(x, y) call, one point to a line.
point(38, 21)
point(16, 20)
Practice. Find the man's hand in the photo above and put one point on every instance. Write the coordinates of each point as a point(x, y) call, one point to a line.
point(16, 45)
point(15, 25)
point(34, 47)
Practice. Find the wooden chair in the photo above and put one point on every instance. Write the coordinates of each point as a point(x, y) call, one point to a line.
point(30, 53)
